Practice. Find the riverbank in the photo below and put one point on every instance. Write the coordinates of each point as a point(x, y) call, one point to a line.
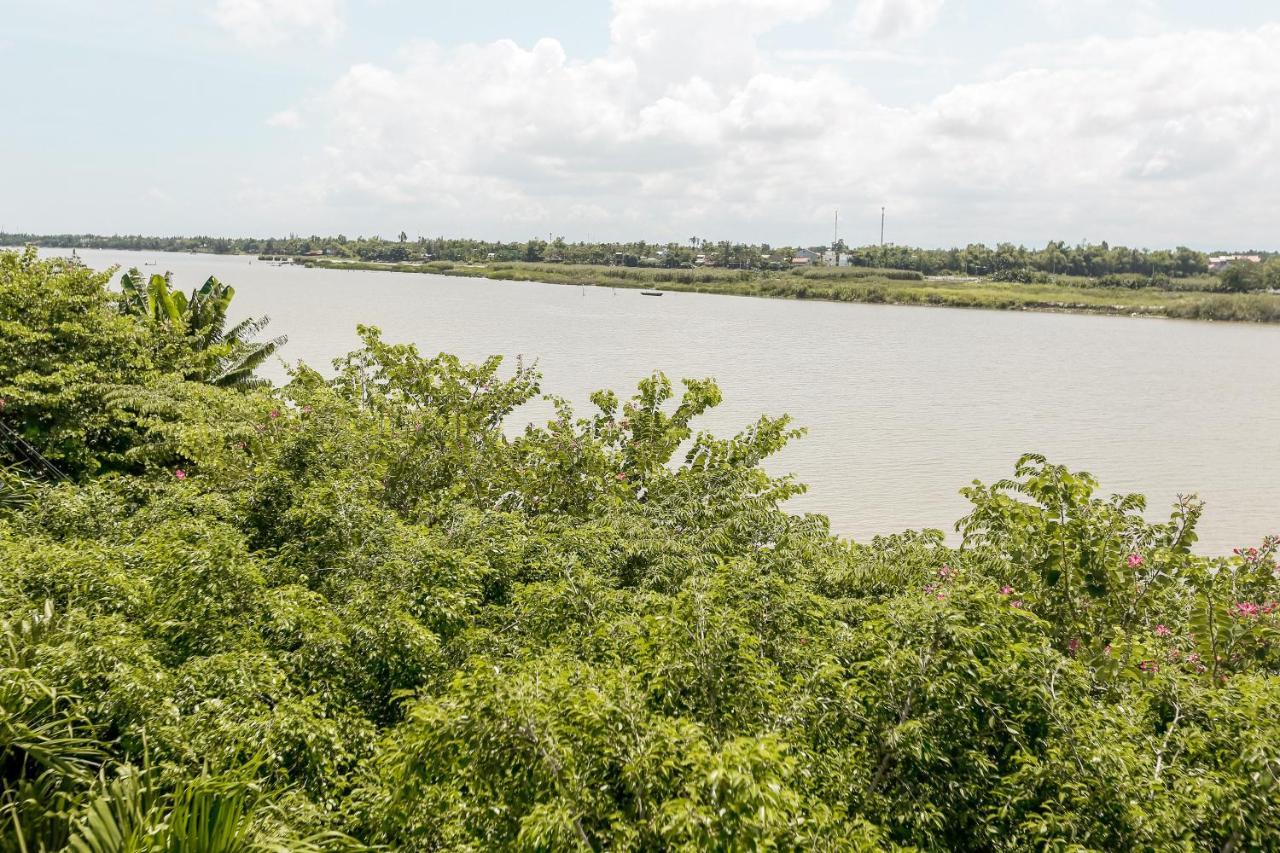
point(889, 287)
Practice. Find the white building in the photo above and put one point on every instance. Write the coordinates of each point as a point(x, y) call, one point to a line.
point(1217, 262)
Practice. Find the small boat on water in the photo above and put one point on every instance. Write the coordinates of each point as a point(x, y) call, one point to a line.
point(651, 293)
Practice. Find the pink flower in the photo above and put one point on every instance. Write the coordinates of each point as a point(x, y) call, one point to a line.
point(275, 413)
point(1149, 666)
point(1245, 608)
point(1016, 604)
point(1073, 645)
point(1162, 631)
point(1106, 650)
point(622, 478)
point(180, 474)
point(1006, 590)
point(306, 410)
point(946, 572)
point(1135, 561)
point(930, 588)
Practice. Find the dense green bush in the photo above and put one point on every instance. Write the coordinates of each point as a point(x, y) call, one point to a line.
point(61, 349)
point(1243, 277)
point(354, 611)
point(1021, 275)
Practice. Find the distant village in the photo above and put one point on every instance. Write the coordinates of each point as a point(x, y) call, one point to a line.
point(1217, 263)
point(800, 258)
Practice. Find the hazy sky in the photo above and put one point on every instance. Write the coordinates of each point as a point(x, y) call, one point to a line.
point(1147, 122)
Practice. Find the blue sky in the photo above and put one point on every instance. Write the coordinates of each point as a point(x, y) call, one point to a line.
point(1146, 122)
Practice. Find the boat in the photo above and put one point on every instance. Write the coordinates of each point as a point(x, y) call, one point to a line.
point(651, 293)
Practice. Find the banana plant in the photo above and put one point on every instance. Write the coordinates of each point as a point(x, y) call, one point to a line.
point(202, 318)
point(154, 299)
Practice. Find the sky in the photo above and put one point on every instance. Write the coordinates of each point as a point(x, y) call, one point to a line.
point(1141, 122)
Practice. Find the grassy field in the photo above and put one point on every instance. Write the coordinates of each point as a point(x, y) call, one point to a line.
point(890, 287)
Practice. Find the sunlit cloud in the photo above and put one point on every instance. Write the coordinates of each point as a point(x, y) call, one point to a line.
point(1123, 135)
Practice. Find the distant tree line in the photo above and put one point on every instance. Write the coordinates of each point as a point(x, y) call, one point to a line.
point(1005, 260)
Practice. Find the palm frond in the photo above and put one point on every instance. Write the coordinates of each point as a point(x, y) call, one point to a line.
point(16, 489)
point(246, 329)
point(134, 292)
point(236, 370)
point(133, 812)
point(49, 751)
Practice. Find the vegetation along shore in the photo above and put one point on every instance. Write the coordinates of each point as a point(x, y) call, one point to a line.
point(1200, 298)
point(1087, 278)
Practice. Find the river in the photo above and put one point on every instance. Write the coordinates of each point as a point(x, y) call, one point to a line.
point(904, 405)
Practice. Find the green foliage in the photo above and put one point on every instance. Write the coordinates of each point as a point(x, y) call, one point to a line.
point(223, 357)
point(359, 611)
point(61, 348)
point(1243, 277)
point(71, 351)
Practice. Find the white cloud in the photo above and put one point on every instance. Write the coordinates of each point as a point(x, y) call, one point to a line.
point(674, 40)
point(885, 20)
point(273, 22)
point(1127, 139)
point(290, 118)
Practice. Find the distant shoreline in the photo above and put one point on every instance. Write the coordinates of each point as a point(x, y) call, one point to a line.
point(866, 287)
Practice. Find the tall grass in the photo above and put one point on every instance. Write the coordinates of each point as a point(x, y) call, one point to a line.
point(845, 273)
point(1235, 307)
